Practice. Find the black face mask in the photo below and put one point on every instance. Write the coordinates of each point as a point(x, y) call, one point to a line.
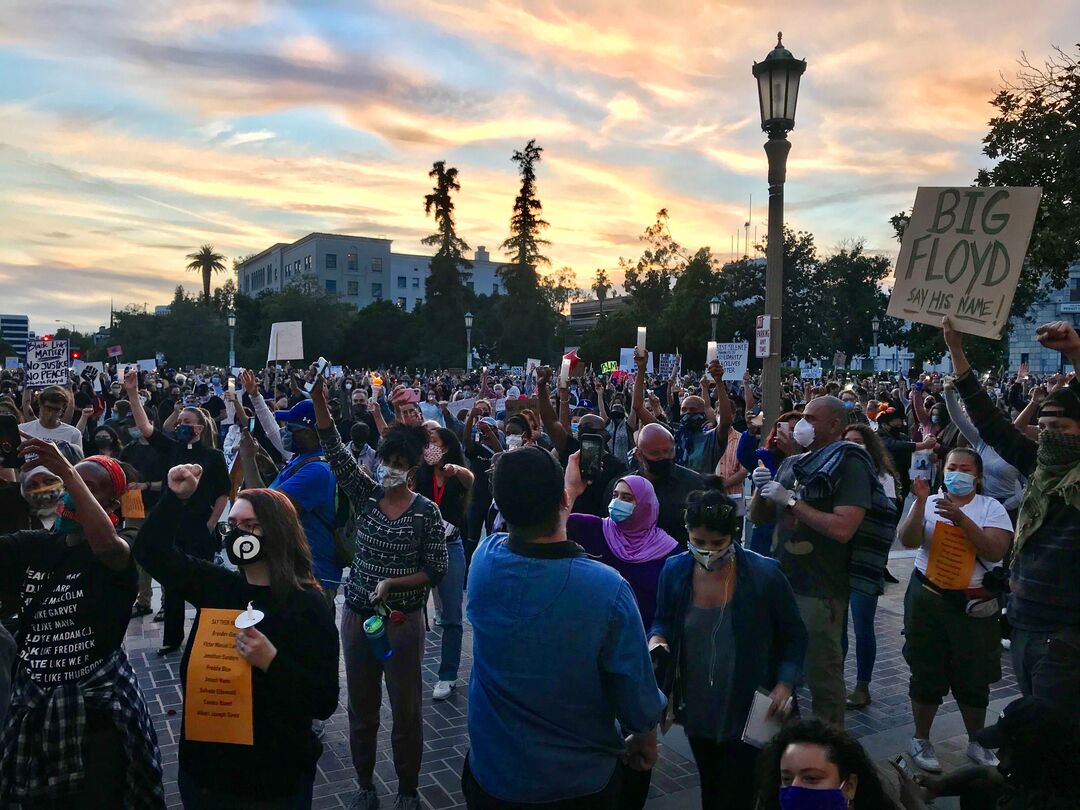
point(243, 548)
point(660, 468)
point(618, 414)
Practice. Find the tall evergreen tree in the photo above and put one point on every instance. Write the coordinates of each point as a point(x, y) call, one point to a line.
point(443, 313)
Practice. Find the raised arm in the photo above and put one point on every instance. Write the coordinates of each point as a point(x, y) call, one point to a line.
point(352, 480)
point(638, 401)
point(1023, 419)
point(748, 393)
point(725, 415)
point(959, 416)
point(601, 406)
point(554, 428)
point(138, 412)
point(263, 412)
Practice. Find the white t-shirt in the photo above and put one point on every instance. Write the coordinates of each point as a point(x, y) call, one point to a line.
point(63, 432)
point(984, 511)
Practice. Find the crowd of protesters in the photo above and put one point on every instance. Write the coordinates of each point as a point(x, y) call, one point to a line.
point(630, 551)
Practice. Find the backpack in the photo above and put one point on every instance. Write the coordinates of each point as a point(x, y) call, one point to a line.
point(342, 528)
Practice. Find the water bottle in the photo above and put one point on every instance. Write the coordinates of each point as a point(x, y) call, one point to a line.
point(378, 643)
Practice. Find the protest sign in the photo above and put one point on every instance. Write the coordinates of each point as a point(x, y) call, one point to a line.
point(11, 362)
point(668, 364)
point(114, 351)
point(286, 341)
point(808, 372)
point(531, 365)
point(626, 361)
point(218, 706)
point(147, 365)
point(609, 366)
point(733, 357)
point(962, 254)
point(839, 359)
point(46, 363)
point(952, 558)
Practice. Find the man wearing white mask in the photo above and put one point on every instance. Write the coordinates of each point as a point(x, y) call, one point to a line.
point(818, 500)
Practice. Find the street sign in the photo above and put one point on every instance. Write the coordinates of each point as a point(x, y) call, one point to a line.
point(764, 336)
point(1069, 308)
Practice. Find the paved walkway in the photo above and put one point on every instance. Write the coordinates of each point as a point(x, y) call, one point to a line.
point(884, 726)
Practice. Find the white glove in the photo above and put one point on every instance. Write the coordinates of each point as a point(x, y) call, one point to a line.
point(776, 493)
point(760, 476)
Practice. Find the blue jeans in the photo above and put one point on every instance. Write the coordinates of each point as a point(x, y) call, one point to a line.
point(451, 589)
point(863, 608)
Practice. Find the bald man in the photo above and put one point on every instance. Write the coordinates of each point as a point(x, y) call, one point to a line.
point(818, 501)
point(654, 459)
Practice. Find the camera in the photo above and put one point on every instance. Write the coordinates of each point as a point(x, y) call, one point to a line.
point(996, 580)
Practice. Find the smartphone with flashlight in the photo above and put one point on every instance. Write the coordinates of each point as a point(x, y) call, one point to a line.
point(592, 451)
point(320, 371)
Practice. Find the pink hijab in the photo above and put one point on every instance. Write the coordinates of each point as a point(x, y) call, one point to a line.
point(638, 538)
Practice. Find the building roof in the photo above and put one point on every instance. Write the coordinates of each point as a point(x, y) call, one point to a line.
point(313, 235)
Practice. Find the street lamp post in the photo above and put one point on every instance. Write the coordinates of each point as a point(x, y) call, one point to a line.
point(468, 341)
point(875, 324)
point(778, 91)
point(232, 339)
point(66, 323)
point(714, 312)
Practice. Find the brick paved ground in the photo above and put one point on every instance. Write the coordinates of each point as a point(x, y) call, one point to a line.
point(445, 738)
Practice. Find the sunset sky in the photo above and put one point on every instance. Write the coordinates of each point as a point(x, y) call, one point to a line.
point(132, 132)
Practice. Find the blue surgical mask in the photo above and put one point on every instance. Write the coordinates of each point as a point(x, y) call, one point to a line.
point(793, 797)
point(185, 434)
point(620, 510)
point(934, 419)
point(574, 428)
point(959, 483)
point(849, 404)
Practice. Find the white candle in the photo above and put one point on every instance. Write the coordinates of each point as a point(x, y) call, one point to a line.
point(564, 372)
point(641, 338)
point(710, 352)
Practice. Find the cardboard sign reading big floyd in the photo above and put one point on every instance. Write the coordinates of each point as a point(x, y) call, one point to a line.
point(962, 254)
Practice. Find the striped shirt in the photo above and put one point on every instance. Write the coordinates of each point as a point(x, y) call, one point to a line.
point(386, 548)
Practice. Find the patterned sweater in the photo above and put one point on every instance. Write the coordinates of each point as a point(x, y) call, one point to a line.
point(1046, 569)
point(385, 548)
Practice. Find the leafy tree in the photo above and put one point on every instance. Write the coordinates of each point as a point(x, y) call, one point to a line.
point(852, 286)
point(685, 321)
point(648, 280)
point(560, 289)
point(442, 313)
point(224, 297)
point(207, 262)
point(378, 335)
point(601, 286)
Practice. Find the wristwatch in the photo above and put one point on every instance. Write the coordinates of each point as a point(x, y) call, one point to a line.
point(791, 502)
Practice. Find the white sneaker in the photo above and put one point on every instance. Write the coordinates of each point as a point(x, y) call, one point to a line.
point(443, 689)
point(980, 756)
point(1006, 644)
point(922, 752)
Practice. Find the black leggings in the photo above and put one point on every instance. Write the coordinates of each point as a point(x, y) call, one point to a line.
point(727, 773)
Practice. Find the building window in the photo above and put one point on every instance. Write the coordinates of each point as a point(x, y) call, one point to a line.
point(419, 301)
point(376, 290)
point(1024, 358)
point(353, 287)
point(495, 288)
point(331, 285)
point(376, 265)
point(401, 302)
point(331, 261)
point(350, 262)
point(469, 284)
point(401, 282)
point(416, 284)
point(307, 263)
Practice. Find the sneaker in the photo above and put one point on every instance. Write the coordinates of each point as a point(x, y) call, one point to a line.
point(407, 803)
point(438, 617)
point(922, 752)
point(1006, 644)
point(443, 689)
point(859, 698)
point(365, 799)
point(980, 756)
point(138, 611)
point(318, 728)
point(160, 615)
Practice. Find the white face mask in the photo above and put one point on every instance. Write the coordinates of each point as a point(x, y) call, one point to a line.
point(803, 433)
point(514, 441)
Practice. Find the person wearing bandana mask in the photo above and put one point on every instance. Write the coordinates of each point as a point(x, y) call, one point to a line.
point(1044, 602)
point(43, 491)
point(80, 571)
point(293, 649)
point(726, 625)
point(400, 554)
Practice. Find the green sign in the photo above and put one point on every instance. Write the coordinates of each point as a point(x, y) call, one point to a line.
point(609, 366)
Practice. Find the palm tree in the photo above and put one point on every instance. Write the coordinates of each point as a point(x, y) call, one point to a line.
point(600, 286)
point(207, 262)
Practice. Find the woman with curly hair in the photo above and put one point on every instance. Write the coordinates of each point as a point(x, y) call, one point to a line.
point(810, 765)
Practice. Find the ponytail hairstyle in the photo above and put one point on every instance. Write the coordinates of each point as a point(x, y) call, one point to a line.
point(711, 509)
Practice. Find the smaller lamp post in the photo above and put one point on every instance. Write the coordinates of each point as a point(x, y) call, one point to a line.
point(468, 340)
point(875, 324)
point(714, 312)
point(232, 339)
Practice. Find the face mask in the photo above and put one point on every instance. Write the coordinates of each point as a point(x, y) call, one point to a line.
point(348, 386)
point(693, 422)
point(433, 454)
point(388, 477)
point(711, 560)
point(216, 380)
point(849, 405)
point(185, 434)
point(801, 798)
point(960, 483)
point(618, 414)
point(67, 521)
point(803, 433)
point(934, 419)
point(661, 468)
point(574, 428)
point(514, 441)
point(45, 500)
point(1057, 449)
point(102, 442)
point(135, 433)
point(620, 510)
point(242, 547)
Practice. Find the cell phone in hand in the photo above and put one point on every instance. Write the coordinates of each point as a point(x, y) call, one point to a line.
point(321, 365)
point(9, 442)
point(592, 451)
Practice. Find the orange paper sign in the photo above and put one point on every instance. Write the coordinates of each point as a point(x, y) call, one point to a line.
point(131, 505)
point(952, 558)
point(217, 705)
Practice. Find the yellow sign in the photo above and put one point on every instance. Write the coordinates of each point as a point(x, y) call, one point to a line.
point(952, 558)
point(217, 705)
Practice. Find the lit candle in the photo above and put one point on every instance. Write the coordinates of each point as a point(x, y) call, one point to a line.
point(564, 372)
point(641, 338)
point(710, 352)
